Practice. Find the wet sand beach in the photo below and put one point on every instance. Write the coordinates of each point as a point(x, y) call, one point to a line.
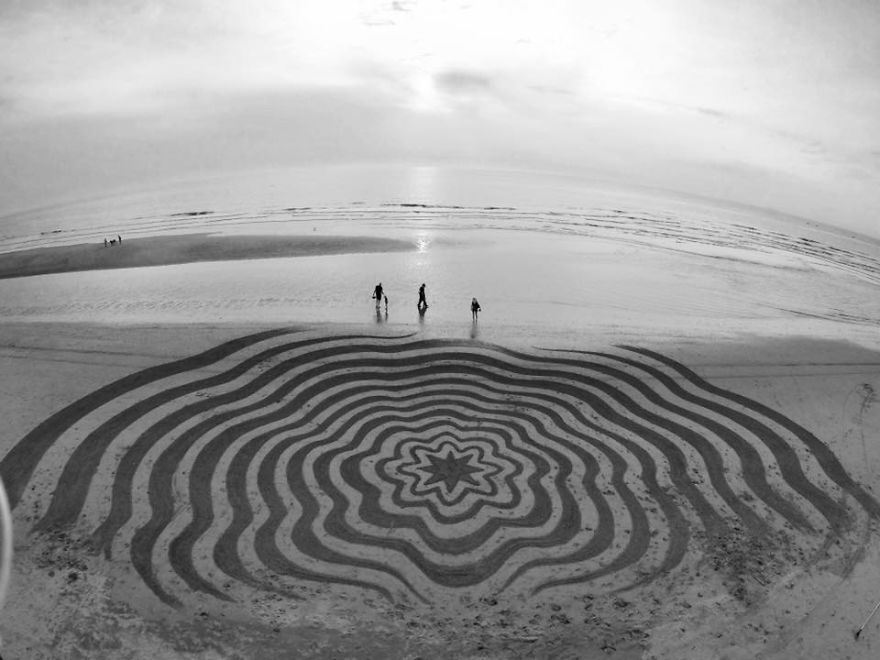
point(657, 445)
point(439, 330)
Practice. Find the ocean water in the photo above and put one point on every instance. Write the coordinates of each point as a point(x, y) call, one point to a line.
point(247, 197)
point(541, 253)
point(249, 194)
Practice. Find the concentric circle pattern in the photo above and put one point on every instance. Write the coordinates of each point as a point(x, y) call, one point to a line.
point(412, 467)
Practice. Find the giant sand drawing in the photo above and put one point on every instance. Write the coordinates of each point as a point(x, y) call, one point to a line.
point(414, 467)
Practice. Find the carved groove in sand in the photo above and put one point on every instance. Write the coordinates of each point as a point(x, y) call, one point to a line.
point(408, 467)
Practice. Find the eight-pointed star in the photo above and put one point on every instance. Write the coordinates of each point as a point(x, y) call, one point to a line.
point(450, 470)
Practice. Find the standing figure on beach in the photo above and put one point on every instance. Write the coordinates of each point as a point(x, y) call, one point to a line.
point(106, 242)
point(423, 303)
point(119, 238)
point(377, 294)
point(475, 308)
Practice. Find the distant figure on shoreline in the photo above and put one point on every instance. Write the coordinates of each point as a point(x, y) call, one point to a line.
point(475, 309)
point(119, 238)
point(377, 294)
point(386, 306)
point(423, 303)
point(106, 242)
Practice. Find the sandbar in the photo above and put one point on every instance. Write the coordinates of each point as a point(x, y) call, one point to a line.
point(183, 249)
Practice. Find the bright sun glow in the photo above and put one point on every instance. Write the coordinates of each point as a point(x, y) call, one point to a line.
point(635, 53)
point(634, 89)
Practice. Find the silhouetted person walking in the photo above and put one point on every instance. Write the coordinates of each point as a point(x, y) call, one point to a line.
point(377, 294)
point(475, 308)
point(423, 303)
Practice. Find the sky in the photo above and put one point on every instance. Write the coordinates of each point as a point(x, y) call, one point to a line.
point(767, 102)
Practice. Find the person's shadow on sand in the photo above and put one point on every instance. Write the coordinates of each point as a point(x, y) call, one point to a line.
point(475, 330)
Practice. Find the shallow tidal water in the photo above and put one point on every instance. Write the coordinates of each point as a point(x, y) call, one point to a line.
point(546, 255)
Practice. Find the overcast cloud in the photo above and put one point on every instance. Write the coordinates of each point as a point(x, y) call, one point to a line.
point(773, 102)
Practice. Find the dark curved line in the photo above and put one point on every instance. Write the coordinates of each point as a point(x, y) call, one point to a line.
point(121, 494)
point(381, 400)
point(488, 490)
point(789, 464)
point(678, 525)
point(322, 384)
point(237, 488)
point(711, 520)
point(273, 559)
point(225, 551)
point(182, 546)
point(17, 467)
point(679, 532)
point(599, 542)
point(678, 529)
point(350, 473)
point(121, 499)
point(621, 483)
point(121, 488)
point(73, 484)
point(425, 490)
point(200, 489)
point(141, 549)
point(302, 535)
point(638, 543)
point(753, 466)
point(335, 524)
point(162, 475)
point(474, 509)
point(704, 447)
point(143, 541)
point(82, 477)
point(14, 458)
point(792, 472)
point(266, 532)
point(620, 562)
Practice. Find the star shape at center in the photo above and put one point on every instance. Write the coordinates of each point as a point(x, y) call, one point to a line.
point(450, 469)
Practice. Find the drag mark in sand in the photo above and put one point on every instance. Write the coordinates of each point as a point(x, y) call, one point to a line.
point(416, 468)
